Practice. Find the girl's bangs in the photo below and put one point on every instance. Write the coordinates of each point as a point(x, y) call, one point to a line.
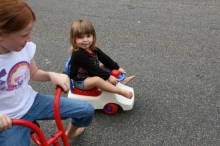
point(82, 30)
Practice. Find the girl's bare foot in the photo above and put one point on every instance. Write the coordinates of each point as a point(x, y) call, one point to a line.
point(127, 79)
point(127, 94)
point(78, 132)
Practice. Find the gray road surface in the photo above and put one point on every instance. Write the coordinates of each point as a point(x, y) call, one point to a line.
point(172, 46)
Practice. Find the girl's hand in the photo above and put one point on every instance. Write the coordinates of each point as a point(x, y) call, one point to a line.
point(60, 79)
point(5, 122)
point(113, 80)
point(121, 70)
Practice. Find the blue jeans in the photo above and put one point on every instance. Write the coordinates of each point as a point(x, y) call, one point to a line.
point(81, 115)
point(78, 84)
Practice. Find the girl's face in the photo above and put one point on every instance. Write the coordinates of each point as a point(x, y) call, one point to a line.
point(84, 41)
point(15, 41)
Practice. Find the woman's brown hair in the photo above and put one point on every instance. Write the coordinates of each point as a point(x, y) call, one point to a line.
point(15, 15)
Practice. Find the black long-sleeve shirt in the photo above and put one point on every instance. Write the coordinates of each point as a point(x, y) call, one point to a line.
point(84, 64)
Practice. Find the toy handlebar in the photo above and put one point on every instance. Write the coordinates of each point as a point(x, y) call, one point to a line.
point(117, 74)
point(121, 77)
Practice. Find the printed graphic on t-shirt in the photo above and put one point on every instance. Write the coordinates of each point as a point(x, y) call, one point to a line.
point(95, 60)
point(2, 83)
point(14, 79)
point(82, 73)
point(93, 57)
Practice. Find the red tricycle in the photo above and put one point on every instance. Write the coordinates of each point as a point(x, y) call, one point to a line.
point(37, 135)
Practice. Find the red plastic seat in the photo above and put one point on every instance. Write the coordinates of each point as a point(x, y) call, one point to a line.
point(90, 92)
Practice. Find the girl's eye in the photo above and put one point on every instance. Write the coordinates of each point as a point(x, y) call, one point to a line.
point(89, 35)
point(25, 35)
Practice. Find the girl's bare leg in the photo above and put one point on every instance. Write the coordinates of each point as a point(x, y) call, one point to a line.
point(91, 82)
point(73, 131)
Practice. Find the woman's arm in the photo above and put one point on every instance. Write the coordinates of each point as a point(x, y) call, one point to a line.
point(106, 60)
point(43, 76)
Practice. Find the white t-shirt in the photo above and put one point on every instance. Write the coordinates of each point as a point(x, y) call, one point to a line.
point(16, 96)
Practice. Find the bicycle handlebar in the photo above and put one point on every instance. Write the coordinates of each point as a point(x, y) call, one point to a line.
point(37, 130)
point(33, 127)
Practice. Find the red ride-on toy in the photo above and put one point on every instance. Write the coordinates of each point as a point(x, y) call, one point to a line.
point(37, 135)
point(106, 101)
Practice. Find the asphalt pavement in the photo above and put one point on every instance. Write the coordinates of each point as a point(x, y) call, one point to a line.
point(173, 49)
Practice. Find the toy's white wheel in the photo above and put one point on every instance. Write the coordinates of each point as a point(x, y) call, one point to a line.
point(110, 108)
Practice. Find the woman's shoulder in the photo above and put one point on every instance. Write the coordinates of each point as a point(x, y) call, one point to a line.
point(97, 49)
point(30, 48)
point(78, 54)
point(79, 51)
point(30, 44)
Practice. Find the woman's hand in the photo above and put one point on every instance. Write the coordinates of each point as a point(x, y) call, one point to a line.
point(5, 122)
point(43, 76)
point(60, 79)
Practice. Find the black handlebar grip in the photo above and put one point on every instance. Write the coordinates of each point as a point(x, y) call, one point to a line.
point(58, 86)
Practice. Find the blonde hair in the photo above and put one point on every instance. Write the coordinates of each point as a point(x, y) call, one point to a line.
point(79, 28)
point(15, 15)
